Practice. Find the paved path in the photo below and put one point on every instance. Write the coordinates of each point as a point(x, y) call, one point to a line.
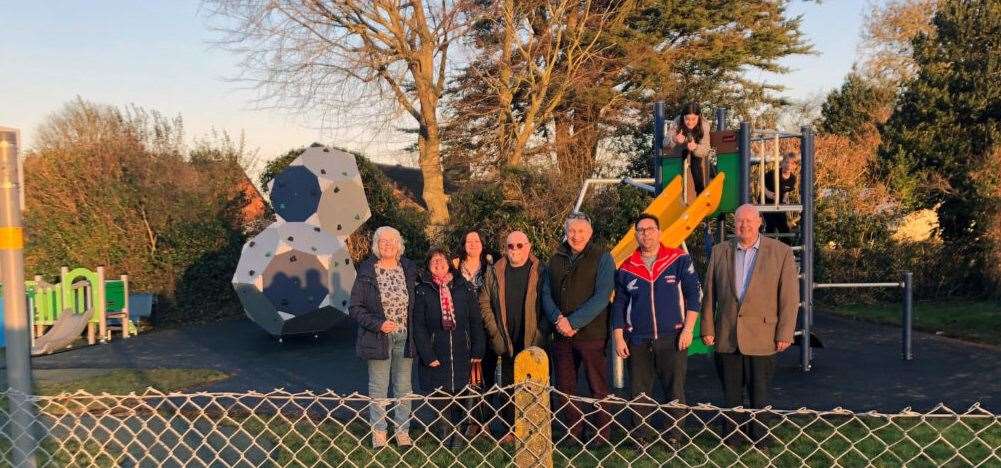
point(860, 368)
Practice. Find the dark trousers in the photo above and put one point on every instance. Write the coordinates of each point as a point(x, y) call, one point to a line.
point(697, 166)
point(658, 359)
point(483, 412)
point(777, 222)
point(451, 417)
point(737, 372)
point(503, 404)
point(568, 356)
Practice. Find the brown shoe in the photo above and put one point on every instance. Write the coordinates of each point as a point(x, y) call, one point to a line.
point(379, 439)
point(508, 439)
point(473, 431)
point(403, 439)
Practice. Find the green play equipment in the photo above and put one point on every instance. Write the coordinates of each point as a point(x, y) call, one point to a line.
point(727, 162)
point(82, 300)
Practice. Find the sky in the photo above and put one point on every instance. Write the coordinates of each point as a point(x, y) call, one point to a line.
point(158, 54)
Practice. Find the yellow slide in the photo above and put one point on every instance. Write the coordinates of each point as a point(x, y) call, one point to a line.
point(677, 221)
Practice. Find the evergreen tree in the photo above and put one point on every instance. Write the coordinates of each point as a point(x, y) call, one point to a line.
point(947, 125)
point(855, 108)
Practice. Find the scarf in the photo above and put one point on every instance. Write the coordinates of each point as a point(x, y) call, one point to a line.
point(445, 296)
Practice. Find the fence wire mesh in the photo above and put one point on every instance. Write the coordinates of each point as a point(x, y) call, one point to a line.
point(326, 429)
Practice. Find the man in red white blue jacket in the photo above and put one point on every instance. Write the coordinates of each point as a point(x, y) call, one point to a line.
point(657, 299)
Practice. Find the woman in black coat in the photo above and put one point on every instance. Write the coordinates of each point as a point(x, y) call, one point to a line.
point(448, 333)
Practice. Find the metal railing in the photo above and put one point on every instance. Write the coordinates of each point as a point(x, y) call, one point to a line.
point(906, 310)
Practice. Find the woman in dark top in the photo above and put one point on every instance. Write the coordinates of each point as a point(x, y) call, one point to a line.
point(448, 333)
point(688, 137)
point(474, 260)
point(779, 221)
point(472, 265)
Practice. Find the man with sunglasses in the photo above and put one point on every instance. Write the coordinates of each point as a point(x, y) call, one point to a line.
point(576, 288)
point(657, 296)
point(511, 312)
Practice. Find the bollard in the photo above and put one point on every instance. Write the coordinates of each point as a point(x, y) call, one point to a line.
point(16, 326)
point(908, 316)
point(532, 417)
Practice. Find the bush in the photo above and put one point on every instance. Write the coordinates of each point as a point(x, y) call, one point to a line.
point(519, 199)
point(110, 187)
point(537, 202)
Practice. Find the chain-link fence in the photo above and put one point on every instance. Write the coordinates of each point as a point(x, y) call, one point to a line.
point(326, 429)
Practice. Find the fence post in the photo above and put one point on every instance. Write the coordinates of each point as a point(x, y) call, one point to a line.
point(533, 417)
point(908, 312)
point(15, 307)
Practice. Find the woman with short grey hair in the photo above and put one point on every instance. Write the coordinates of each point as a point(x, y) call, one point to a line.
point(382, 302)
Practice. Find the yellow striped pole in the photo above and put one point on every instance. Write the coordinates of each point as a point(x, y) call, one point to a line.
point(15, 306)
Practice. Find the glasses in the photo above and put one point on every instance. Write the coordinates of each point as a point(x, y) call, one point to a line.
point(646, 230)
point(517, 246)
point(578, 215)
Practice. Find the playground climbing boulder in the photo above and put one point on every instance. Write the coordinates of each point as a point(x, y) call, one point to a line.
point(295, 277)
point(323, 187)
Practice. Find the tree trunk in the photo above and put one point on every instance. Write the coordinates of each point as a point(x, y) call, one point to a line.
point(429, 139)
point(434, 181)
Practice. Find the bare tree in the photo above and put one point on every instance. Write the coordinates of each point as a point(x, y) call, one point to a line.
point(887, 33)
point(530, 55)
point(341, 54)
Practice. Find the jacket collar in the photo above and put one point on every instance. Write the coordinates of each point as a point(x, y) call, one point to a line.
point(565, 250)
point(665, 257)
point(367, 267)
point(501, 264)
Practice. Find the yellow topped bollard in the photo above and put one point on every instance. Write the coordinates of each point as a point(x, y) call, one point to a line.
point(533, 417)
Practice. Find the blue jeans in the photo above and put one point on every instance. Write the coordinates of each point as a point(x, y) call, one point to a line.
point(398, 370)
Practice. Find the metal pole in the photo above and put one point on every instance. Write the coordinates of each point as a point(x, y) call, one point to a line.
point(15, 308)
point(720, 119)
point(745, 161)
point(721, 218)
point(806, 224)
point(908, 315)
point(658, 144)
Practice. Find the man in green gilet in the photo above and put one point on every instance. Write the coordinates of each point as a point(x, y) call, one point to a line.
point(576, 288)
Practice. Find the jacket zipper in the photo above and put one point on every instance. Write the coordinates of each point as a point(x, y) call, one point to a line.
point(451, 362)
point(451, 354)
point(653, 303)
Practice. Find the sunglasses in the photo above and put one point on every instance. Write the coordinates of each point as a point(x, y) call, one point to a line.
point(517, 246)
point(578, 215)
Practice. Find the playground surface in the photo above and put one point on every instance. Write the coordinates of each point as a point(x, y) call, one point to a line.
point(859, 369)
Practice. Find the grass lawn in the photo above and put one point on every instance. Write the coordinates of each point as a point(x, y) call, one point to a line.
point(803, 440)
point(124, 381)
point(978, 321)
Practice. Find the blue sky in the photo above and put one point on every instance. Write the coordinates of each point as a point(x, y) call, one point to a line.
point(157, 54)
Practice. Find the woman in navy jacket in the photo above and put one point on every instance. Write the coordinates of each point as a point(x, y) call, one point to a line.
point(448, 333)
point(382, 303)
